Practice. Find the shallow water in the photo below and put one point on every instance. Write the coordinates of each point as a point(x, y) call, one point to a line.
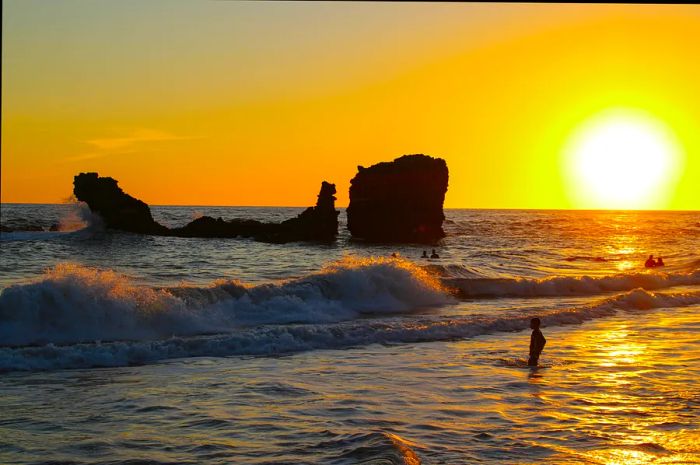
point(118, 348)
point(611, 391)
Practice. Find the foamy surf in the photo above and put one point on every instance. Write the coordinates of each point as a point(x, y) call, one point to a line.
point(77, 316)
point(291, 338)
point(73, 303)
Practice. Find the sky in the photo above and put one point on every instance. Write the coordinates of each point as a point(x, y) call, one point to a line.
point(196, 102)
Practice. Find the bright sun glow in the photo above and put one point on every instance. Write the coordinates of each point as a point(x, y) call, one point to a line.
point(622, 159)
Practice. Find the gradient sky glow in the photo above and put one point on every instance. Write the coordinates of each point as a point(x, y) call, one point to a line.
point(246, 103)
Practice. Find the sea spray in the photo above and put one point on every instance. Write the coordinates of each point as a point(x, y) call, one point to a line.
point(78, 217)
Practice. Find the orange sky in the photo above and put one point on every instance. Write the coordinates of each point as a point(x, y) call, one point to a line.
point(245, 103)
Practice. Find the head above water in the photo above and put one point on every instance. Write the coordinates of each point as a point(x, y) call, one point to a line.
point(535, 323)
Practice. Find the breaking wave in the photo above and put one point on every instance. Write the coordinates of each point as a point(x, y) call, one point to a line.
point(290, 338)
point(81, 317)
point(567, 286)
point(73, 303)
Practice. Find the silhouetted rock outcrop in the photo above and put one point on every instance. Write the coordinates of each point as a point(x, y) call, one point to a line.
point(399, 201)
point(117, 209)
point(125, 213)
point(318, 222)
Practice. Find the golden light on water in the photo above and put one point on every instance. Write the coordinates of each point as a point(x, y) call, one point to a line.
point(625, 265)
point(622, 159)
point(616, 349)
point(618, 407)
point(625, 246)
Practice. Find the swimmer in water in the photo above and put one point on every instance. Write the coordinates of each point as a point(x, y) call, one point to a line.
point(434, 254)
point(650, 263)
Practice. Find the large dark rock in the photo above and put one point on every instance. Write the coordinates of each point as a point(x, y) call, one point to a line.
point(399, 201)
point(122, 212)
point(117, 209)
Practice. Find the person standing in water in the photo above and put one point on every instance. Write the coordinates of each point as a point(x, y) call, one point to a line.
point(537, 342)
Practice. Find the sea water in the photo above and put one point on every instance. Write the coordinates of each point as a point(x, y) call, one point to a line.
point(121, 348)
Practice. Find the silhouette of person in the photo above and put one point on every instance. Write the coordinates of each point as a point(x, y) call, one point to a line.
point(434, 254)
point(393, 255)
point(650, 263)
point(660, 262)
point(425, 254)
point(537, 342)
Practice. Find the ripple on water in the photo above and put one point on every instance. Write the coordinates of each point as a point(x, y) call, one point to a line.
point(375, 448)
point(280, 389)
point(157, 408)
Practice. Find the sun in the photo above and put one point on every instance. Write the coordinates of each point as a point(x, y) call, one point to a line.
point(621, 159)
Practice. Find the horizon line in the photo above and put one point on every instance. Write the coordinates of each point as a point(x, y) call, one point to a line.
point(345, 207)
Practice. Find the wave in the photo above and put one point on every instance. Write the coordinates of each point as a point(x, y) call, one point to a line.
point(567, 286)
point(453, 270)
point(290, 338)
point(74, 303)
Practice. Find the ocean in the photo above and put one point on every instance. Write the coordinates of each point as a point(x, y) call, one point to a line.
point(125, 349)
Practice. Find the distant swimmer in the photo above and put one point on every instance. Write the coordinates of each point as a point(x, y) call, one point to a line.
point(650, 263)
point(660, 262)
point(393, 255)
point(425, 254)
point(537, 342)
point(434, 254)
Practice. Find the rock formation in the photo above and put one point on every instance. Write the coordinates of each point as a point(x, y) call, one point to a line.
point(399, 201)
point(318, 223)
point(117, 209)
point(123, 212)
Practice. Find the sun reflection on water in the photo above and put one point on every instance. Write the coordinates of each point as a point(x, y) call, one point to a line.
point(616, 349)
point(621, 404)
